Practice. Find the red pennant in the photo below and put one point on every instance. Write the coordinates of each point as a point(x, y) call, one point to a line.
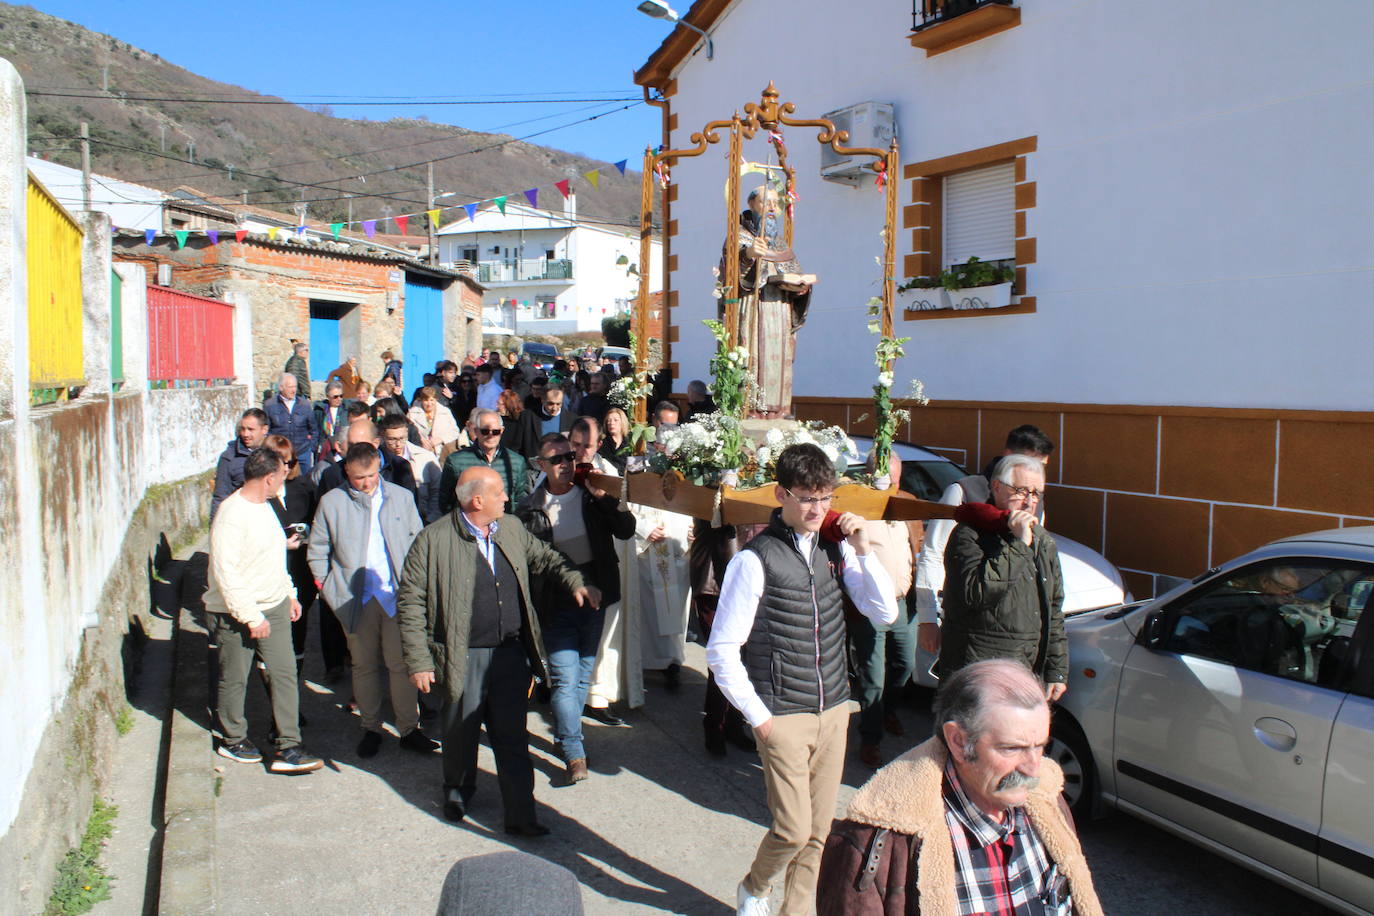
point(239, 234)
point(401, 223)
point(882, 175)
point(562, 186)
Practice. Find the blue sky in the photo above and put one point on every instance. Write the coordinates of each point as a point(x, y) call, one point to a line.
point(576, 49)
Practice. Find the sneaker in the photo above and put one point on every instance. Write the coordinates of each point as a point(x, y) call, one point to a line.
point(746, 904)
point(419, 742)
point(294, 760)
point(241, 751)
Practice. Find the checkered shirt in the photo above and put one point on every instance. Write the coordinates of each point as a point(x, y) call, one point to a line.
point(999, 868)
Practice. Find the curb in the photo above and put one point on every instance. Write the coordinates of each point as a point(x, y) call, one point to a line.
point(189, 869)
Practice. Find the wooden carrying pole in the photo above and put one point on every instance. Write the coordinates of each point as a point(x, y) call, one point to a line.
point(731, 278)
point(641, 314)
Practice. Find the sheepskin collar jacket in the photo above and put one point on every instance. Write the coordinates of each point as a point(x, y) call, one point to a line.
point(892, 854)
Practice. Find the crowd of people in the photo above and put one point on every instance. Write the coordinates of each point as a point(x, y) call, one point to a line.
point(461, 560)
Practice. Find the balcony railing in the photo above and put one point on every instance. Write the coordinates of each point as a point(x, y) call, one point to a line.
point(524, 270)
point(927, 13)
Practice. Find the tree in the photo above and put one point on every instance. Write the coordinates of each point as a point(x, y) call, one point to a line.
point(616, 330)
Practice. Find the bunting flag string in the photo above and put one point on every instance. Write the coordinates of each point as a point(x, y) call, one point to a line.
point(472, 211)
point(272, 233)
point(336, 228)
point(181, 235)
point(500, 203)
point(433, 218)
point(532, 195)
point(565, 187)
point(239, 235)
point(213, 234)
point(594, 176)
point(369, 227)
point(401, 223)
point(621, 165)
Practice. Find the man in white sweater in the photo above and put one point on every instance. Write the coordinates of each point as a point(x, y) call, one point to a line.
point(251, 603)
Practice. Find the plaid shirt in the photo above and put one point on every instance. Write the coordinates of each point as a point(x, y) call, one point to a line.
point(999, 868)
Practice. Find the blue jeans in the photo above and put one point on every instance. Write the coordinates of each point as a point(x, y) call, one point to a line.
point(571, 640)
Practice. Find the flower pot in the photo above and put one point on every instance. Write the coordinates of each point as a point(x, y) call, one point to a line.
point(980, 297)
point(882, 483)
point(922, 300)
point(729, 477)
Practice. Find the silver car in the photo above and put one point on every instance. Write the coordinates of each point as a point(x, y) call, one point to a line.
point(1237, 711)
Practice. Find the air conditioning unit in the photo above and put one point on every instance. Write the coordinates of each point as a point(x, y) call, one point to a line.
point(869, 124)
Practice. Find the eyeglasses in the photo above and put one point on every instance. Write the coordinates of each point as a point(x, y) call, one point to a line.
point(490, 432)
point(1026, 493)
point(806, 502)
point(560, 458)
point(292, 463)
point(335, 397)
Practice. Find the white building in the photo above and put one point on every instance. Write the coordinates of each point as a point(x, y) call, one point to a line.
point(549, 272)
point(130, 206)
point(1185, 194)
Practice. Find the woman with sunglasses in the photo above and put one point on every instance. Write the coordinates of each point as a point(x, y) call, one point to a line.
point(295, 507)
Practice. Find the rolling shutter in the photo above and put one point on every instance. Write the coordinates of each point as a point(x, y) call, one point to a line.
point(980, 214)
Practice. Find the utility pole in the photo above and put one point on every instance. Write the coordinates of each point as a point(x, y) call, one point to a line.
point(85, 165)
point(164, 137)
point(429, 223)
point(350, 207)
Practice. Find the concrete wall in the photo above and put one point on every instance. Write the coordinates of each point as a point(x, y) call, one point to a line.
point(1195, 203)
point(72, 477)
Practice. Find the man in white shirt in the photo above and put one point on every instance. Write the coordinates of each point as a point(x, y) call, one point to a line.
point(777, 649)
point(488, 387)
point(251, 603)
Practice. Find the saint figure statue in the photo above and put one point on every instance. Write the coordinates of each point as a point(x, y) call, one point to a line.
point(773, 298)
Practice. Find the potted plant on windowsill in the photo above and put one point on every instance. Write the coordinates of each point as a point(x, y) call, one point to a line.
point(978, 284)
point(920, 294)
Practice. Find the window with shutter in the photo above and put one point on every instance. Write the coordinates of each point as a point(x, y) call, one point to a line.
point(979, 216)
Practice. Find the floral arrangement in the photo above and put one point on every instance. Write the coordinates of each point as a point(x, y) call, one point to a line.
point(629, 389)
point(832, 440)
point(700, 450)
point(887, 417)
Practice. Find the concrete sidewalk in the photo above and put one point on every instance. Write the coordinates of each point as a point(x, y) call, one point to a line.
point(659, 827)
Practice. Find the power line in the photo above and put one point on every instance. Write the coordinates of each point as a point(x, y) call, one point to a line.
point(121, 97)
point(491, 95)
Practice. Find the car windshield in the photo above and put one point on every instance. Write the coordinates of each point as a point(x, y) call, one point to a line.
point(928, 479)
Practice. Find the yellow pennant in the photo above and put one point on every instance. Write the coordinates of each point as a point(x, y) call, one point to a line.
point(594, 176)
point(433, 218)
point(272, 233)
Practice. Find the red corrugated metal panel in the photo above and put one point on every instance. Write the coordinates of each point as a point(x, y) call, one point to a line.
point(190, 338)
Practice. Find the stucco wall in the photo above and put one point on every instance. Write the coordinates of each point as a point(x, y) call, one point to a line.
point(1202, 227)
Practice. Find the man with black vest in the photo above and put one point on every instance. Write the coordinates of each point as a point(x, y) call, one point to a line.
point(781, 603)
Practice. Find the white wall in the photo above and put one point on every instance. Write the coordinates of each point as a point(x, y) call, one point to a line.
point(130, 206)
point(1202, 212)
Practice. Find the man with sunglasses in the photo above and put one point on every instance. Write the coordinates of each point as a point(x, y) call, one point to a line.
point(485, 451)
point(1004, 589)
point(777, 650)
point(582, 521)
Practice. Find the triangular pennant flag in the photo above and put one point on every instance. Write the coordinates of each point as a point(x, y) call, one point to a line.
point(148, 236)
point(594, 176)
point(336, 228)
point(214, 236)
point(114, 230)
point(181, 235)
point(472, 210)
point(300, 230)
point(532, 195)
point(563, 187)
point(401, 223)
point(621, 165)
point(500, 203)
point(272, 233)
point(433, 218)
point(369, 227)
point(239, 234)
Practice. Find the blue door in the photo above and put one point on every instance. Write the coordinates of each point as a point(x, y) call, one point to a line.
point(324, 339)
point(423, 342)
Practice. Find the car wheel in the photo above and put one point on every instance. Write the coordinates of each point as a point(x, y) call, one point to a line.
point(1069, 749)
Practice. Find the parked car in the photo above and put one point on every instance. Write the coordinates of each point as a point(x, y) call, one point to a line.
point(614, 353)
point(490, 326)
point(540, 354)
point(1090, 579)
point(1237, 711)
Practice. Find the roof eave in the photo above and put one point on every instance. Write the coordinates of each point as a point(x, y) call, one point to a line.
point(658, 69)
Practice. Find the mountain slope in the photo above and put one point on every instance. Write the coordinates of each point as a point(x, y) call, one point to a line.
point(276, 145)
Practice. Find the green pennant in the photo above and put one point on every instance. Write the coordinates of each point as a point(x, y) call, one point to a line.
point(181, 235)
point(500, 204)
point(336, 228)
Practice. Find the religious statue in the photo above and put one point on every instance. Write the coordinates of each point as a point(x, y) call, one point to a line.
point(773, 298)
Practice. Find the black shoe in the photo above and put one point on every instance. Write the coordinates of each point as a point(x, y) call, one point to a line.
point(604, 716)
point(241, 751)
point(455, 806)
point(741, 737)
point(672, 677)
point(533, 828)
point(370, 745)
point(294, 760)
point(334, 675)
point(715, 742)
point(419, 742)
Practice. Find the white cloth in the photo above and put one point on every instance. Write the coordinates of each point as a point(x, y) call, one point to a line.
point(443, 429)
point(489, 394)
point(865, 581)
point(662, 582)
point(248, 573)
point(424, 466)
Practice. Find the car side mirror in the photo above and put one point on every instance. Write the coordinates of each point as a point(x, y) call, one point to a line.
point(1152, 630)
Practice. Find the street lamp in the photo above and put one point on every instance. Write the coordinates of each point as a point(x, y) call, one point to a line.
point(660, 10)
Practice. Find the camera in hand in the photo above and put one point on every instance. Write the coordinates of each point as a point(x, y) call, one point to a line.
point(297, 528)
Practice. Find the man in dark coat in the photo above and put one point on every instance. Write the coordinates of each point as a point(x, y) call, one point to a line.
point(252, 432)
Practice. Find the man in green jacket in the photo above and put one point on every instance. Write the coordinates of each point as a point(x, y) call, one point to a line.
point(486, 451)
point(468, 626)
point(1004, 590)
point(297, 366)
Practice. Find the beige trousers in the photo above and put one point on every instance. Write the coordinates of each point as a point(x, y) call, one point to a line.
point(803, 762)
point(376, 647)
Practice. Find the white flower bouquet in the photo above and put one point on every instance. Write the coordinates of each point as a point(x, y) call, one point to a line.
point(832, 440)
point(700, 450)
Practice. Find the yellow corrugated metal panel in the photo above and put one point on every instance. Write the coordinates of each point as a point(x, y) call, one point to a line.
point(55, 352)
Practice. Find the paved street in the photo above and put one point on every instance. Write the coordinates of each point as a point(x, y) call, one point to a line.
point(660, 826)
